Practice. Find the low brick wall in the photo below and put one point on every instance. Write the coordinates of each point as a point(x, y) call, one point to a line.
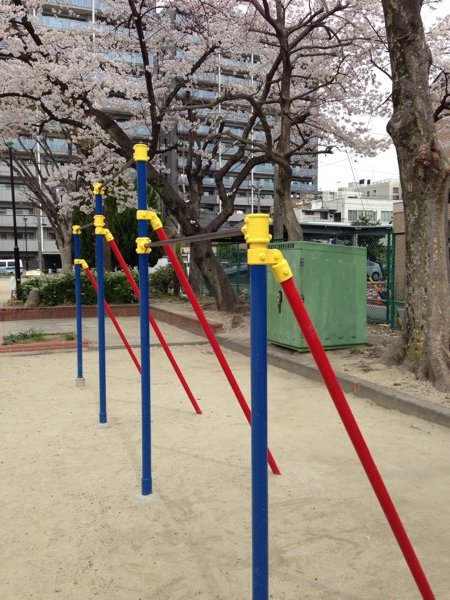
point(62, 312)
point(49, 346)
point(181, 320)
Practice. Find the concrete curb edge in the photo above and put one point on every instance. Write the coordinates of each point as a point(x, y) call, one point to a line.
point(378, 394)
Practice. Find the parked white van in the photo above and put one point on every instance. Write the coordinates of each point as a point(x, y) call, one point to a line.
point(8, 265)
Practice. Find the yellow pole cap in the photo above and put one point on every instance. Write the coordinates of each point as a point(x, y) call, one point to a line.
point(256, 229)
point(76, 230)
point(140, 152)
point(98, 188)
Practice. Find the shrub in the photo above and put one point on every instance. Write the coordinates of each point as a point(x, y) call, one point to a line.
point(60, 289)
point(161, 280)
point(117, 288)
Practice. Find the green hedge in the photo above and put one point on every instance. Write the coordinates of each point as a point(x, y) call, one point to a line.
point(161, 281)
point(59, 289)
point(55, 290)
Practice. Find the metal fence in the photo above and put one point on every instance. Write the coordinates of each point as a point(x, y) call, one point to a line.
point(385, 270)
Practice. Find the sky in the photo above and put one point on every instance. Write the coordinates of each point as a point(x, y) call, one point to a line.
point(340, 168)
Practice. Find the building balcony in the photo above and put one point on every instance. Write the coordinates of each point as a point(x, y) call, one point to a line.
point(82, 5)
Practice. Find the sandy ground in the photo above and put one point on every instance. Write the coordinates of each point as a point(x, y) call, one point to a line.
point(74, 525)
point(372, 362)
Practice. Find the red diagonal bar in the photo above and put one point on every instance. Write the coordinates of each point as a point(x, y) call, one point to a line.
point(115, 322)
point(156, 328)
point(211, 337)
point(356, 437)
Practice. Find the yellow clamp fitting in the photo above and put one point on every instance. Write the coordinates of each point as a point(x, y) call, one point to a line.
point(99, 223)
point(143, 245)
point(149, 215)
point(257, 236)
point(140, 152)
point(76, 230)
point(281, 270)
point(108, 235)
point(82, 262)
point(98, 188)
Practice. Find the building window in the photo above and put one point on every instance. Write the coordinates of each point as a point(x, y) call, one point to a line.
point(19, 211)
point(357, 215)
point(386, 216)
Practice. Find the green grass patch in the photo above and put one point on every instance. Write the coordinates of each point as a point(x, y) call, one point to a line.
point(34, 335)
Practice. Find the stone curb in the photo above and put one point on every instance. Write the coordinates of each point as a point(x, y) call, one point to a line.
point(186, 322)
point(378, 394)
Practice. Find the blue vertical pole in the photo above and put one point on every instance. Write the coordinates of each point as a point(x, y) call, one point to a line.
point(141, 158)
point(99, 222)
point(76, 232)
point(260, 511)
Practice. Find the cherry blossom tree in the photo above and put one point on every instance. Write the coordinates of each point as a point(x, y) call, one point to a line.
point(314, 79)
point(134, 76)
point(47, 182)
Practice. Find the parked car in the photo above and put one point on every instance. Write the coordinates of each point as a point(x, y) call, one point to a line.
point(8, 265)
point(374, 270)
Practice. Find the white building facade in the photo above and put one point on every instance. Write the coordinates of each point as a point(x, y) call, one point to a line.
point(373, 201)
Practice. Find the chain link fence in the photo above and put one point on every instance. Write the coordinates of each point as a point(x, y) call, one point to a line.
point(385, 277)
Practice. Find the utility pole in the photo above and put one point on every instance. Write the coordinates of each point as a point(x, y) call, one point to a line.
point(9, 145)
point(40, 235)
point(256, 187)
point(25, 219)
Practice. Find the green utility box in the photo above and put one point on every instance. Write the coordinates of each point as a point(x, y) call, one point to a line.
point(332, 282)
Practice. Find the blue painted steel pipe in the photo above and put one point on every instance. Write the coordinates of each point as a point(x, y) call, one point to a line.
point(78, 303)
point(101, 312)
point(260, 511)
point(141, 168)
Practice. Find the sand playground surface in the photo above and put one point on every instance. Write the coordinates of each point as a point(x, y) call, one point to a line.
point(75, 526)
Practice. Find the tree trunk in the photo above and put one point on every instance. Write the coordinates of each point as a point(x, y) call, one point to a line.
point(424, 175)
point(64, 243)
point(283, 211)
point(107, 256)
point(195, 277)
point(216, 280)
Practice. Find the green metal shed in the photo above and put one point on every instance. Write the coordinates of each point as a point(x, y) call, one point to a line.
point(332, 282)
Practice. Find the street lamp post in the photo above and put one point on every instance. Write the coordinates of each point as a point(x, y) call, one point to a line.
point(25, 219)
point(256, 187)
point(9, 145)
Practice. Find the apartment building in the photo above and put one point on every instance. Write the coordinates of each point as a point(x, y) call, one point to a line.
point(35, 237)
